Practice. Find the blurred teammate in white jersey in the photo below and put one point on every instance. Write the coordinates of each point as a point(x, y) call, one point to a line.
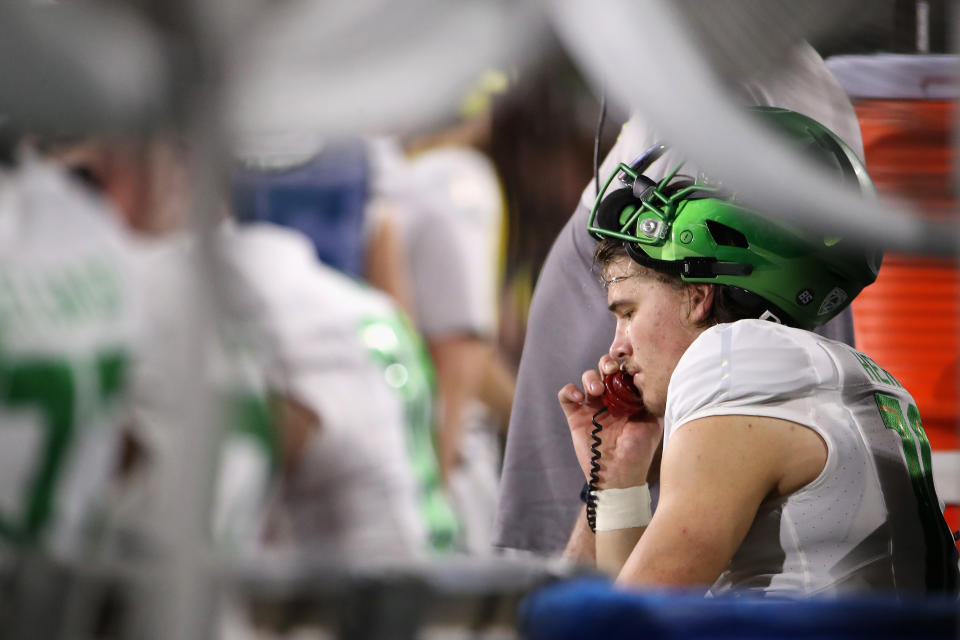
point(305, 331)
point(67, 326)
point(367, 483)
point(450, 207)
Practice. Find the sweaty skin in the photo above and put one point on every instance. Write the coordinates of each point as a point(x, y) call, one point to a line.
point(716, 471)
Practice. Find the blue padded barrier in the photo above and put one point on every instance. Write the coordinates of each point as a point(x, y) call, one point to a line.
point(593, 608)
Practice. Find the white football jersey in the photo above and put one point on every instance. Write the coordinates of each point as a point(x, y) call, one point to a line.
point(367, 484)
point(172, 355)
point(462, 185)
point(449, 279)
point(67, 322)
point(871, 519)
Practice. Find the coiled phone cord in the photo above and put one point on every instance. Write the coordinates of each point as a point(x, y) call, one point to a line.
point(594, 472)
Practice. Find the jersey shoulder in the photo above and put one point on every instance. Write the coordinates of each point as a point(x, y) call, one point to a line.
point(65, 266)
point(41, 208)
point(282, 269)
point(732, 367)
point(460, 182)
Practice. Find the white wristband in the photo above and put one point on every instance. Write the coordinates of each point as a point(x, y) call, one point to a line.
point(623, 508)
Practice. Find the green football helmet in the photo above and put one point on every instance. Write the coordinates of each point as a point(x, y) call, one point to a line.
point(692, 228)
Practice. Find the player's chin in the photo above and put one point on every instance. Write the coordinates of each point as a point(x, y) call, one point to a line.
point(654, 401)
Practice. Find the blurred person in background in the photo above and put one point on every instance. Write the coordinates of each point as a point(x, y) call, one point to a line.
point(541, 478)
point(542, 133)
point(68, 327)
point(333, 196)
point(70, 322)
point(453, 224)
point(367, 485)
point(442, 194)
point(143, 183)
point(475, 388)
point(335, 360)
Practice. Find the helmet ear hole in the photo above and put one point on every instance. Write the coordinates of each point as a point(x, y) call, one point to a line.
point(608, 213)
point(726, 236)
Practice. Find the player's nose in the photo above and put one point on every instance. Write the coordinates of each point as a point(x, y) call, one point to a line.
point(620, 347)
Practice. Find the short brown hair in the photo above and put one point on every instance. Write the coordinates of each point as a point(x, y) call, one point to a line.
point(610, 250)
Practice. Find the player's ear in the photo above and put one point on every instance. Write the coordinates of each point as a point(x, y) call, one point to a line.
point(700, 298)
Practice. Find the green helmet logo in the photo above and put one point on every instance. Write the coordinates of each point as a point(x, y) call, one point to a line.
point(696, 230)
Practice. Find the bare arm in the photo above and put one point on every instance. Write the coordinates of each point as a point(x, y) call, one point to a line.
point(459, 362)
point(581, 548)
point(614, 547)
point(628, 456)
point(497, 387)
point(386, 267)
point(715, 473)
point(296, 424)
point(607, 550)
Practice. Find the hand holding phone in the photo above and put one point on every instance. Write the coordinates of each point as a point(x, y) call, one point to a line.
point(620, 395)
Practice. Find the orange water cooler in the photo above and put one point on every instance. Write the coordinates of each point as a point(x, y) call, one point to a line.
point(909, 320)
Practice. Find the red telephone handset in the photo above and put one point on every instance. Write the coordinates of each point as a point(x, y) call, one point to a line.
point(623, 400)
point(620, 395)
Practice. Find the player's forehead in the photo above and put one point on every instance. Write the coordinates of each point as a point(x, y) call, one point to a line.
point(627, 282)
point(621, 279)
point(623, 274)
point(618, 270)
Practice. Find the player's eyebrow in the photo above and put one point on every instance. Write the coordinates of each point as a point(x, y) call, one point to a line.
point(616, 306)
point(607, 282)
